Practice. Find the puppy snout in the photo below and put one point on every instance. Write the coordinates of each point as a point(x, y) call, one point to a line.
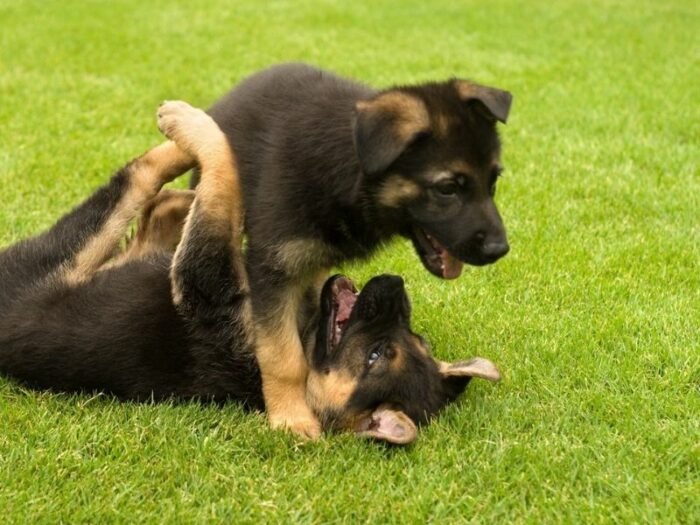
point(489, 247)
point(495, 249)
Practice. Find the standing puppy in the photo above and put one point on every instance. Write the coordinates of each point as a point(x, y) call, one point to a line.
point(331, 170)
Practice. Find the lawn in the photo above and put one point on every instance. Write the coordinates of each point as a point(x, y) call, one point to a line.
point(593, 318)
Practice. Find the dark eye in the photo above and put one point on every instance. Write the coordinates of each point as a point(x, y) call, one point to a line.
point(448, 187)
point(373, 356)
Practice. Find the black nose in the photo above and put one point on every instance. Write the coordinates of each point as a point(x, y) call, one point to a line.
point(495, 250)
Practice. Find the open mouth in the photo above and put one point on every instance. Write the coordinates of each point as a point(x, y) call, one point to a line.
point(435, 256)
point(343, 297)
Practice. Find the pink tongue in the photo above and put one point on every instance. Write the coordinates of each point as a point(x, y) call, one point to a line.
point(346, 300)
point(451, 267)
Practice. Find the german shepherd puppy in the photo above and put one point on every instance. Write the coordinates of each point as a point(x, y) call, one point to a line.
point(153, 324)
point(332, 170)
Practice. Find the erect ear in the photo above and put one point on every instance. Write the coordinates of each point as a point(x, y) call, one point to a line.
point(476, 367)
point(496, 102)
point(388, 425)
point(385, 125)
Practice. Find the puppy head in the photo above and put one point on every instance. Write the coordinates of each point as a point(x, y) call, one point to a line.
point(430, 155)
point(370, 374)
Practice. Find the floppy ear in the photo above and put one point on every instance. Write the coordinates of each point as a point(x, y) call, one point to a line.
point(477, 367)
point(384, 126)
point(388, 425)
point(495, 102)
point(456, 376)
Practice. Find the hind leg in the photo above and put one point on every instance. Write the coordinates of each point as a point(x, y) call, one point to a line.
point(81, 241)
point(159, 228)
point(207, 275)
point(137, 183)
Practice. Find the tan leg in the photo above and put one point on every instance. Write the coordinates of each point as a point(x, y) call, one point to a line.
point(160, 225)
point(145, 177)
point(284, 371)
point(195, 132)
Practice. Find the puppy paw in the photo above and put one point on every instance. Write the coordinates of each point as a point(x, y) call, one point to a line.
point(307, 429)
point(190, 128)
point(300, 421)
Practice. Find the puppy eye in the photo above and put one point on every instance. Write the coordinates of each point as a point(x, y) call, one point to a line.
point(448, 187)
point(373, 356)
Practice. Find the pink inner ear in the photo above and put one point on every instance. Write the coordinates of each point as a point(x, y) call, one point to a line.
point(388, 425)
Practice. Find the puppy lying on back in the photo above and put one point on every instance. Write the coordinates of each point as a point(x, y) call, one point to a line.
point(153, 324)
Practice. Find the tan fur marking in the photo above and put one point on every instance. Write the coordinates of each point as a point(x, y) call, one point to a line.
point(159, 228)
point(330, 391)
point(279, 348)
point(217, 198)
point(301, 256)
point(399, 361)
point(396, 190)
point(103, 244)
point(220, 196)
point(410, 114)
point(465, 89)
point(441, 125)
point(460, 166)
point(161, 165)
point(289, 410)
point(420, 345)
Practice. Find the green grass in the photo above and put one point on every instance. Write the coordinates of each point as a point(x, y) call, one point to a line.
point(594, 317)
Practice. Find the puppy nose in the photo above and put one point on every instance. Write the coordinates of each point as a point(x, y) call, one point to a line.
point(495, 250)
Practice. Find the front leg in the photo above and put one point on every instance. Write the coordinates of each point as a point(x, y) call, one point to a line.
point(280, 353)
